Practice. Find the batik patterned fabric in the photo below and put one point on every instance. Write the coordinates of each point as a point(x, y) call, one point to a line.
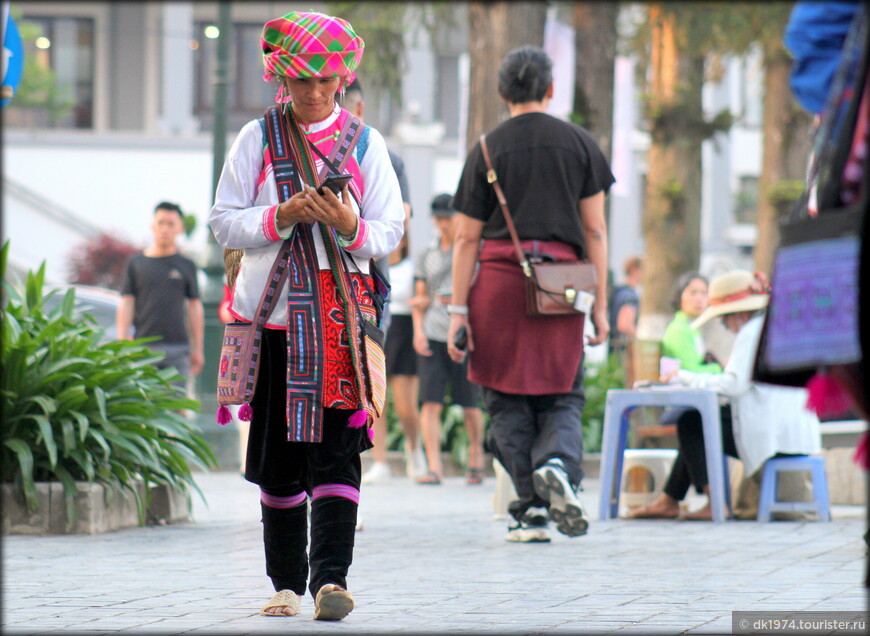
point(304, 45)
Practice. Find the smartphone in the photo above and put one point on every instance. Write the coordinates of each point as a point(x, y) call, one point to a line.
point(334, 182)
point(461, 341)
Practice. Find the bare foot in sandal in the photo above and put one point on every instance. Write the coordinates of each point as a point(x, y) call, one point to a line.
point(332, 603)
point(284, 603)
point(664, 507)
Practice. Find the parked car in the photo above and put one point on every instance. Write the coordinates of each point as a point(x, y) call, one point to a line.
point(99, 302)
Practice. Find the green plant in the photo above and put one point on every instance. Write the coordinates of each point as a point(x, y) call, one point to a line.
point(76, 409)
point(600, 378)
point(189, 224)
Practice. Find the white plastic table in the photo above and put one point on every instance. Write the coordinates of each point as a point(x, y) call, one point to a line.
point(617, 411)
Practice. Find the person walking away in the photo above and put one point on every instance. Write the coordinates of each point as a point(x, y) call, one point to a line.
point(554, 178)
point(160, 297)
point(431, 321)
point(309, 453)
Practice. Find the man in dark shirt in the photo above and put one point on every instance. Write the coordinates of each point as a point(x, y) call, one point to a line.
point(160, 294)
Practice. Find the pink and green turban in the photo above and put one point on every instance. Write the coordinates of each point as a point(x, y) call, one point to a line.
point(303, 45)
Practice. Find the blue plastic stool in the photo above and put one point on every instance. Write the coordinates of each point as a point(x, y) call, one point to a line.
point(815, 465)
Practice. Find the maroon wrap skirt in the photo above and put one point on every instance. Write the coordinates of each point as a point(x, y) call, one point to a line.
point(514, 352)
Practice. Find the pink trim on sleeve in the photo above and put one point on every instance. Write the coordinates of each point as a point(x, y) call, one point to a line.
point(270, 228)
point(362, 233)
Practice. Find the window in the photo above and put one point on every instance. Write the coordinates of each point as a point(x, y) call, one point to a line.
point(57, 89)
point(247, 94)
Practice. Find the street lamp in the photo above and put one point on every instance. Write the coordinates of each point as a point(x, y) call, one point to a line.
point(224, 440)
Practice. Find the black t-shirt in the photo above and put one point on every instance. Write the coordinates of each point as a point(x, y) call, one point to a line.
point(545, 166)
point(160, 285)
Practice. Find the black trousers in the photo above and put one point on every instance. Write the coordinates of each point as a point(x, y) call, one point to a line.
point(690, 466)
point(527, 430)
point(284, 469)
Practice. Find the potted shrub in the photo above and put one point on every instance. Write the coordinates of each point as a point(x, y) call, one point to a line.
point(77, 409)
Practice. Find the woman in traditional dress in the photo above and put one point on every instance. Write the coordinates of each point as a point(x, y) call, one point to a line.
point(310, 409)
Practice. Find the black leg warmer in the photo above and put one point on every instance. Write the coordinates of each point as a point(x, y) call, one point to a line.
point(333, 526)
point(285, 536)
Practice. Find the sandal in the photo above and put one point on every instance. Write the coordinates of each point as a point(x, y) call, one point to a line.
point(474, 476)
point(430, 478)
point(332, 603)
point(286, 599)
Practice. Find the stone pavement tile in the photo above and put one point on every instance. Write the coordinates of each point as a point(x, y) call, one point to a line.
point(456, 571)
point(583, 627)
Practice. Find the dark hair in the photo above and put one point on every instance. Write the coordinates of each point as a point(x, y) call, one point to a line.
point(525, 74)
point(680, 286)
point(169, 207)
point(442, 205)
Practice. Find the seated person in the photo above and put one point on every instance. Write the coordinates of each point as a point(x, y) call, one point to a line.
point(681, 340)
point(762, 421)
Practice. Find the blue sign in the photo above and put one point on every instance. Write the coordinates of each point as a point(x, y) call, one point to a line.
point(13, 61)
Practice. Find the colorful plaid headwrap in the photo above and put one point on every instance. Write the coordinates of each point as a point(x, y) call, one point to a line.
point(310, 45)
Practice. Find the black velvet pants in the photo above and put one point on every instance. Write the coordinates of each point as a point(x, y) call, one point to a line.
point(328, 471)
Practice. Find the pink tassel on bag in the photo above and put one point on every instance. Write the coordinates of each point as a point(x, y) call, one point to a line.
point(371, 433)
point(358, 419)
point(246, 412)
point(827, 397)
point(224, 416)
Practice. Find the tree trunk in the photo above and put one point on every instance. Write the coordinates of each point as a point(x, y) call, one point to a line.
point(786, 147)
point(672, 201)
point(494, 29)
point(595, 47)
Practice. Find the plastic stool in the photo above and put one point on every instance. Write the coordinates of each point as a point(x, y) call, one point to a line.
point(815, 465)
point(657, 462)
point(617, 411)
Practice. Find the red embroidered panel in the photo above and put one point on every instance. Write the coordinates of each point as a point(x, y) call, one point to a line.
point(339, 386)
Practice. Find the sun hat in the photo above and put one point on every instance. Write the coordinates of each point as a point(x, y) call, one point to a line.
point(740, 290)
point(441, 205)
point(303, 44)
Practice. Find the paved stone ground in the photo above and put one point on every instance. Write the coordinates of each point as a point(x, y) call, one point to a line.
point(434, 560)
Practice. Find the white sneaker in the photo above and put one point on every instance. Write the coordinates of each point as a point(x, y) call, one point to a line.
point(525, 532)
point(378, 472)
point(551, 483)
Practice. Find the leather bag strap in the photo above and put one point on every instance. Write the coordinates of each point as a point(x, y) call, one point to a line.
point(492, 178)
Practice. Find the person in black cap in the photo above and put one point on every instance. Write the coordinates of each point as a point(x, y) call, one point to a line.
point(433, 282)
